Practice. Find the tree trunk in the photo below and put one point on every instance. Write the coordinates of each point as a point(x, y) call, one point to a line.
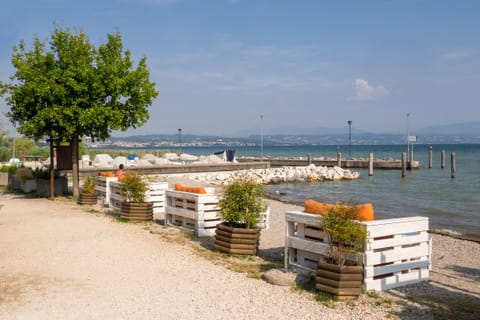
point(75, 180)
point(52, 170)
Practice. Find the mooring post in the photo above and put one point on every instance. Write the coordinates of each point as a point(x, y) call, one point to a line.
point(404, 164)
point(339, 159)
point(430, 161)
point(453, 164)
point(442, 160)
point(370, 165)
point(309, 158)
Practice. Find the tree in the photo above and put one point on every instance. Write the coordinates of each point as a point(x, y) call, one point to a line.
point(74, 89)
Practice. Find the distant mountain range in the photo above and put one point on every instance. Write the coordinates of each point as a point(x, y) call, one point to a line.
point(468, 133)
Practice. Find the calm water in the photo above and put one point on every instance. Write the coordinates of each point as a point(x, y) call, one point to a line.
point(451, 204)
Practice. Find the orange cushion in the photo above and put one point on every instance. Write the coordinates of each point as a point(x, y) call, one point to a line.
point(364, 211)
point(315, 207)
point(106, 174)
point(180, 187)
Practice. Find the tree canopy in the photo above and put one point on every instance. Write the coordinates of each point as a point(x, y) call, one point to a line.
point(68, 88)
point(73, 89)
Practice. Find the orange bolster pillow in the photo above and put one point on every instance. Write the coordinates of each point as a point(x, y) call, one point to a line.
point(364, 212)
point(106, 174)
point(315, 207)
point(180, 187)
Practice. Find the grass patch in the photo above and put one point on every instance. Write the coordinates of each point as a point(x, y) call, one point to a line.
point(326, 299)
point(449, 307)
point(378, 299)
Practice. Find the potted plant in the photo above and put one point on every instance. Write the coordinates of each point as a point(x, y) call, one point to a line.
point(87, 194)
point(241, 206)
point(134, 206)
point(341, 272)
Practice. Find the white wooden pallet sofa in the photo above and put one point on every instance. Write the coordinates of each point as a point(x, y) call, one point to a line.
point(199, 212)
point(397, 253)
point(155, 194)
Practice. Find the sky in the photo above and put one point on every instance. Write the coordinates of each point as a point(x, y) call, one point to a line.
point(239, 67)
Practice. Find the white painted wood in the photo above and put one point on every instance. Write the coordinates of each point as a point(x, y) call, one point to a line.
point(405, 253)
point(373, 258)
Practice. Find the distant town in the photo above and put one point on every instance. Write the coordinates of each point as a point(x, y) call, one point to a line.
point(175, 141)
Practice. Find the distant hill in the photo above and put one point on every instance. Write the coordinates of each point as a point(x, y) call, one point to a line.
point(467, 133)
point(459, 129)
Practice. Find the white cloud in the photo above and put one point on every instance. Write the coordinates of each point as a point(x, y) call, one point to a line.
point(366, 92)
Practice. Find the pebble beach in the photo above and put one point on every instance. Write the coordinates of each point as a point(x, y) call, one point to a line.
point(59, 260)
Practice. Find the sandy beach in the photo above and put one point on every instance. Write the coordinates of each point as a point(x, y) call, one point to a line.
point(59, 260)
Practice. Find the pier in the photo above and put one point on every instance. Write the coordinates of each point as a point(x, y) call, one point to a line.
point(344, 163)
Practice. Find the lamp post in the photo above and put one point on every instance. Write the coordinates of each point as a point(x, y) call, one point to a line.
point(261, 137)
point(408, 138)
point(349, 138)
point(180, 138)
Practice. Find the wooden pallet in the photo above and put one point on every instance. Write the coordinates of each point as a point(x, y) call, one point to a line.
point(398, 251)
point(102, 188)
point(197, 212)
point(155, 194)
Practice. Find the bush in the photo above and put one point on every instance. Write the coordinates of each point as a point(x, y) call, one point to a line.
point(134, 187)
point(345, 235)
point(242, 203)
point(88, 186)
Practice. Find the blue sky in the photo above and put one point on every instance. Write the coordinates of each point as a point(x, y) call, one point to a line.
point(221, 64)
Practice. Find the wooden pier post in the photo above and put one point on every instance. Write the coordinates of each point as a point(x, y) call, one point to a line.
point(370, 165)
point(453, 164)
point(309, 158)
point(430, 161)
point(339, 159)
point(442, 160)
point(404, 164)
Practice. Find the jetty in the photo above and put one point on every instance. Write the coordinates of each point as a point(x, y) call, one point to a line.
point(329, 162)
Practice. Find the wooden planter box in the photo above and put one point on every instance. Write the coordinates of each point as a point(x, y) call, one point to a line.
point(142, 211)
point(344, 282)
point(236, 240)
point(197, 212)
point(87, 199)
point(397, 253)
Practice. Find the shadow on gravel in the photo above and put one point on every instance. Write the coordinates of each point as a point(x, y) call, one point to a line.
point(432, 300)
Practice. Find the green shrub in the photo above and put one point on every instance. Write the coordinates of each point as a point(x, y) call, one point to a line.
point(134, 187)
point(242, 203)
point(345, 235)
point(88, 186)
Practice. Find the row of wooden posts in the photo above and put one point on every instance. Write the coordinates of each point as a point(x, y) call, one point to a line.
point(405, 163)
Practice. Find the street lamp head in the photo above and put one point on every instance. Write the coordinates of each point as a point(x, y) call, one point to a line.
point(349, 122)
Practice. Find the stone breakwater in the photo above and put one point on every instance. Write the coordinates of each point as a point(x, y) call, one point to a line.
point(309, 173)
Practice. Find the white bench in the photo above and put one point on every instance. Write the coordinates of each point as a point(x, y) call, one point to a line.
point(397, 253)
point(194, 211)
point(102, 188)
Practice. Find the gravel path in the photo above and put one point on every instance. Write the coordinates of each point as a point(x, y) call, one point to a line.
point(58, 261)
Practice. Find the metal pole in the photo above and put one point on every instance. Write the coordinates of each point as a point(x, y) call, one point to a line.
point(349, 138)
point(180, 138)
point(408, 135)
point(442, 160)
point(261, 137)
